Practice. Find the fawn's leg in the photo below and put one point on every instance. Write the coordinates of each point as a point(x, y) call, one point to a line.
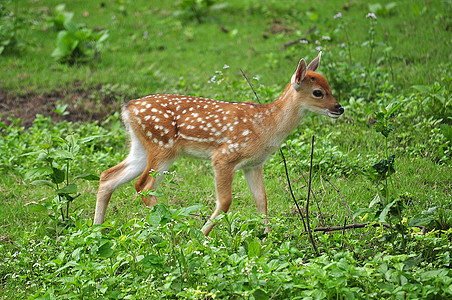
point(159, 163)
point(120, 174)
point(224, 175)
point(254, 178)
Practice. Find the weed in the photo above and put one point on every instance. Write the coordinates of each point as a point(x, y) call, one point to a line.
point(75, 43)
point(10, 24)
point(56, 174)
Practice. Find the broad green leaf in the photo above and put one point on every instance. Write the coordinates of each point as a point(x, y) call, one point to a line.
point(155, 218)
point(61, 154)
point(422, 88)
point(90, 138)
point(412, 262)
point(186, 211)
point(70, 27)
point(431, 211)
point(385, 211)
point(151, 261)
point(87, 177)
point(76, 253)
point(254, 248)
point(69, 189)
point(105, 250)
point(103, 36)
point(392, 109)
point(420, 220)
point(58, 176)
point(42, 182)
point(37, 208)
point(38, 172)
point(375, 201)
point(259, 294)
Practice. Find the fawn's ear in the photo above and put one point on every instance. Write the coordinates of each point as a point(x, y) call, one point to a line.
point(314, 65)
point(298, 76)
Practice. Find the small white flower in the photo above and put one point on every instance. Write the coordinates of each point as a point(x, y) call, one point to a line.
point(212, 80)
point(371, 15)
point(326, 38)
point(338, 15)
point(304, 41)
point(363, 75)
point(343, 45)
point(225, 66)
point(318, 48)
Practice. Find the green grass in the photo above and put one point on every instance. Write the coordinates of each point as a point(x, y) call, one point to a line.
point(151, 49)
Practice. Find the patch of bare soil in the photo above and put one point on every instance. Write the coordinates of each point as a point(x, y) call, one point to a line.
point(82, 105)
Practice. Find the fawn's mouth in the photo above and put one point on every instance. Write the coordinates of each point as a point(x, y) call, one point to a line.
point(333, 114)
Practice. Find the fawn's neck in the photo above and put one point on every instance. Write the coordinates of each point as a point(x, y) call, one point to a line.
point(287, 114)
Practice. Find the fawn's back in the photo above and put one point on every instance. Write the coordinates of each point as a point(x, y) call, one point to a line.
point(199, 127)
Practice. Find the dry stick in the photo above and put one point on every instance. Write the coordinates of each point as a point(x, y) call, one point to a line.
point(360, 225)
point(283, 157)
point(310, 30)
point(307, 201)
point(290, 188)
point(352, 226)
point(249, 83)
point(275, 292)
point(343, 201)
point(322, 220)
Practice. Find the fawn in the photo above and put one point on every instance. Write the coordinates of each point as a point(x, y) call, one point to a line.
point(232, 135)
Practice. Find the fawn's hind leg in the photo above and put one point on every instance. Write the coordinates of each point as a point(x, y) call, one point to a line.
point(156, 165)
point(120, 174)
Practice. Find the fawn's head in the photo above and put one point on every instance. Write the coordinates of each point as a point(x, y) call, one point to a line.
point(313, 90)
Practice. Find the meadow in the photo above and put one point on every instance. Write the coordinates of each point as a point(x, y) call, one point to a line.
point(381, 175)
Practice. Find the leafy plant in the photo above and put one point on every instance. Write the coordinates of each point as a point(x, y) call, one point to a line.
point(57, 158)
point(383, 9)
point(60, 16)
point(388, 207)
point(10, 24)
point(435, 100)
point(197, 9)
point(75, 43)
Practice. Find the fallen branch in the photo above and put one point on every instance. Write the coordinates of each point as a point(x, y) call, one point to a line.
point(300, 40)
point(353, 226)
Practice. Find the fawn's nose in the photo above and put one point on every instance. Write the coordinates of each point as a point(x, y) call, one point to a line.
point(340, 109)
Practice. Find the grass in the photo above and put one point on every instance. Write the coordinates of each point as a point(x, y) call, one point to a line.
point(152, 49)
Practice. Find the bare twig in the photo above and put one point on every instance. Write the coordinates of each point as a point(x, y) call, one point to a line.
point(352, 226)
point(307, 201)
point(300, 40)
point(343, 201)
point(275, 292)
point(290, 189)
point(249, 83)
point(322, 221)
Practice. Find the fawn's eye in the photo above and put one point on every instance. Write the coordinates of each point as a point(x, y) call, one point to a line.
point(317, 93)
